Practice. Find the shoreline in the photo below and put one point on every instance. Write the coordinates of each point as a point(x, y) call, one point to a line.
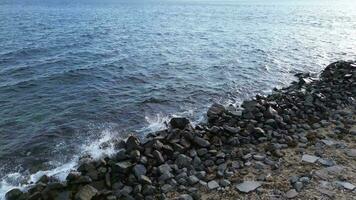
point(186, 162)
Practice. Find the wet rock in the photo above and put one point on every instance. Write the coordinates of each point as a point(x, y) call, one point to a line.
point(215, 111)
point(291, 194)
point(309, 158)
point(14, 194)
point(132, 143)
point(179, 122)
point(248, 186)
point(87, 192)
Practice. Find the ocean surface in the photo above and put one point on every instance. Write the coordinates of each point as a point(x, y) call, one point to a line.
point(74, 74)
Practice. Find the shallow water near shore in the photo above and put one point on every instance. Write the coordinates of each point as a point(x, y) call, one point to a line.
point(76, 74)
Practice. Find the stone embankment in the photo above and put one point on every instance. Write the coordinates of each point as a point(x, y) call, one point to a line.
point(298, 142)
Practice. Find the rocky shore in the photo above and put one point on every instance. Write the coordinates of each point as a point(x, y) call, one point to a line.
point(298, 142)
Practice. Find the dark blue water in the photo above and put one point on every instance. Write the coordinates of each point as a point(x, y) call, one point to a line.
point(77, 73)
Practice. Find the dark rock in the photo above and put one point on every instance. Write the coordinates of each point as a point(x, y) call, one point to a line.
point(14, 194)
point(139, 170)
point(201, 142)
point(183, 161)
point(132, 143)
point(87, 192)
point(215, 111)
point(158, 156)
point(179, 122)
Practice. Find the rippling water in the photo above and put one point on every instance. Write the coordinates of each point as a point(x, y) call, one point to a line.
point(76, 73)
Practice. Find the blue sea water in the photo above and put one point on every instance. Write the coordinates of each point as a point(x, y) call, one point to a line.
point(74, 74)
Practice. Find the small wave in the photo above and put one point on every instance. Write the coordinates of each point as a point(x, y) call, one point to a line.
point(155, 123)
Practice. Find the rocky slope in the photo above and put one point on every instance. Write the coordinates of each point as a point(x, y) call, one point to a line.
point(298, 142)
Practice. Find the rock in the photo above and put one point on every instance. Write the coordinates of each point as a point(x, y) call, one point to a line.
point(270, 113)
point(259, 157)
point(345, 185)
point(326, 162)
point(351, 153)
point(215, 111)
point(87, 192)
point(326, 192)
point(309, 158)
point(158, 156)
point(14, 194)
point(291, 194)
point(165, 176)
point(248, 186)
point(213, 185)
point(259, 132)
point(304, 180)
point(179, 122)
point(166, 188)
point(139, 170)
point(164, 168)
point(201, 142)
point(123, 167)
point(298, 186)
point(224, 183)
point(183, 161)
point(185, 197)
point(132, 143)
point(328, 142)
point(144, 179)
point(193, 179)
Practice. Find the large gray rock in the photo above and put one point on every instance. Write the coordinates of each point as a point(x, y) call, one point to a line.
point(87, 192)
point(248, 186)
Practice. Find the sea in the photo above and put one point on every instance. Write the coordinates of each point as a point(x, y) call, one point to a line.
point(76, 74)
